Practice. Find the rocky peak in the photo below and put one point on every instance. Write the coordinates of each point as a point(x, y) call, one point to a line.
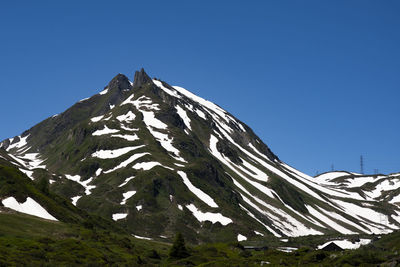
point(120, 81)
point(141, 78)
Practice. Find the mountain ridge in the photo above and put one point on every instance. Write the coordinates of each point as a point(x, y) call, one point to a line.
point(158, 159)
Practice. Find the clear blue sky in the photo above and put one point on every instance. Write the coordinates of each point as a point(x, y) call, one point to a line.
point(318, 81)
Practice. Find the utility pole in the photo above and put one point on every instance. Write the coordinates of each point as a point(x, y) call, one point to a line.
point(332, 167)
point(361, 165)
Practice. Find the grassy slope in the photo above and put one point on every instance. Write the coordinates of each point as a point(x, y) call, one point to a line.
point(27, 240)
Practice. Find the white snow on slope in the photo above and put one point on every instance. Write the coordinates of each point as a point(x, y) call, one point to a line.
point(360, 181)
point(258, 233)
point(139, 207)
point(127, 137)
point(346, 244)
point(205, 103)
point(281, 220)
point(165, 89)
point(119, 216)
point(214, 151)
point(128, 161)
point(166, 142)
point(128, 117)
point(258, 174)
point(21, 143)
point(30, 206)
point(385, 185)
point(96, 119)
point(201, 114)
point(326, 177)
point(75, 200)
point(146, 165)
point(105, 91)
point(28, 173)
point(126, 196)
point(141, 237)
point(197, 192)
point(128, 129)
point(182, 113)
point(98, 171)
point(147, 108)
point(85, 184)
point(111, 154)
point(328, 221)
point(126, 181)
point(104, 131)
point(83, 99)
point(263, 224)
point(241, 238)
point(30, 161)
point(208, 216)
point(395, 199)
point(365, 215)
point(309, 181)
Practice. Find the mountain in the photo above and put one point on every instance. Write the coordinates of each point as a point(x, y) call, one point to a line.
point(158, 160)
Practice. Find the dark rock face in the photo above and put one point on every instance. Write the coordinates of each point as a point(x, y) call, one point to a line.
point(141, 78)
point(120, 81)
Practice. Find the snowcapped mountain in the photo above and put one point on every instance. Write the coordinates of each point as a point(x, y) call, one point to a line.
point(158, 159)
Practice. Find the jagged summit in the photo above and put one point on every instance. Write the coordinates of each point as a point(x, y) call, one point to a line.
point(120, 81)
point(140, 78)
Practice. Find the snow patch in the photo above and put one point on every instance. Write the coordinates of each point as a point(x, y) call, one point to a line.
point(258, 233)
point(21, 143)
point(146, 165)
point(141, 237)
point(208, 216)
point(128, 161)
point(111, 154)
point(85, 184)
point(105, 91)
point(127, 137)
point(128, 117)
point(165, 89)
point(241, 238)
point(126, 196)
point(104, 131)
point(182, 113)
point(197, 192)
point(28, 173)
point(126, 181)
point(75, 200)
point(30, 207)
point(119, 216)
point(96, 119)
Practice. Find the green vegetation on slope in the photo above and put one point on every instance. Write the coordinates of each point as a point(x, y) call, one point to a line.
point(30, 241)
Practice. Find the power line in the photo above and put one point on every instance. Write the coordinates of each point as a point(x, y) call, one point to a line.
point(361, 165)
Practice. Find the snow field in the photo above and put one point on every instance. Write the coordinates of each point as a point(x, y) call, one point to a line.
point(111, 154)
point(119, 216)
point(127, 196)
point(104, 131)
point(85, 184)
point(197, 192)
point(30, 207)
point(208, 216)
